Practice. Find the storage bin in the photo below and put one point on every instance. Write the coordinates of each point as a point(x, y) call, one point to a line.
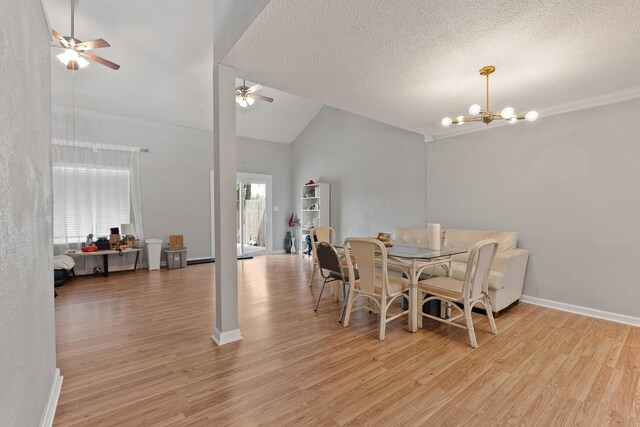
point(176, 258)
point(154, 252)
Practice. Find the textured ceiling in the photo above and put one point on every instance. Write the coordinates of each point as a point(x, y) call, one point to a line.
point(165, 48)
point(411, 62)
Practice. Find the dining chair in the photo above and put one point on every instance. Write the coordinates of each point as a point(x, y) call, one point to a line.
point(373, 281)
point(333, 269)
point(320, 234)
point(474, 289)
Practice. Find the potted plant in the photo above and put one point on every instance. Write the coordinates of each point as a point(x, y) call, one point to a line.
point(289, 240)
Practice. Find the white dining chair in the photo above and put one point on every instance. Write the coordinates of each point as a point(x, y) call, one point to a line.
point(372, 283)
point(468, 292)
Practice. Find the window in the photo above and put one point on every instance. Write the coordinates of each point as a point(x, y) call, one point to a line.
point(89, 200)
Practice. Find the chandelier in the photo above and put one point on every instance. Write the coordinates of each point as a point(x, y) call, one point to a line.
point(485, 115)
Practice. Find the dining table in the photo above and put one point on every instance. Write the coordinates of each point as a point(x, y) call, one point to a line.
point(413, 260)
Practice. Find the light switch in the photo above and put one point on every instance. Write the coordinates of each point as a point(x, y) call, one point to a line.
point(276, 209)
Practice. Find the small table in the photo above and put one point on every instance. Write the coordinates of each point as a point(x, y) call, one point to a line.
point(105, 257)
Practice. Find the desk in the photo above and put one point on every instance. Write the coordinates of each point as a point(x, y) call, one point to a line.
point(413, 260)
point(105, 257)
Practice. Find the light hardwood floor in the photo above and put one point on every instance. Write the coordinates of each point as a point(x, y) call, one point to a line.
point(135, 349)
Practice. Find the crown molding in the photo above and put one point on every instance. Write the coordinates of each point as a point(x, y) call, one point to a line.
point(615, 97)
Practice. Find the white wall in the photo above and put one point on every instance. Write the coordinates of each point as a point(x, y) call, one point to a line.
point(174, 175)
point(376, 171)
point(27, 326)
point(270, 158)
point(568, 184)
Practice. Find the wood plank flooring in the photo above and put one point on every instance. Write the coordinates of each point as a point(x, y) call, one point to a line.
point(135, 350)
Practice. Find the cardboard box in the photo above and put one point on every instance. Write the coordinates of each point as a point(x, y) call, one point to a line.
point(176, 242)
point(113, 239)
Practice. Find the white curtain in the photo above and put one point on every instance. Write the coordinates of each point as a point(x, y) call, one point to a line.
point(95, 187)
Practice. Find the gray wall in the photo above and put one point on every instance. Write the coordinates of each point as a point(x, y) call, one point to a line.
point(27, 334)
point(270, 158)
point(376, 171)
point(174, 175)
point(568, 184)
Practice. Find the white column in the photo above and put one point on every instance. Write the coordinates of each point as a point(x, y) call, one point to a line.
point(225, 327)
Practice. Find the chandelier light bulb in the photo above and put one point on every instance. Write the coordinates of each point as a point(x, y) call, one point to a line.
point(446, 122)
point(250, 100)
point(475, 109)
point(513, 120)
point(531, 116)
point(460, 120)
point(243, 103)
point(507, 113)
point(238, 99)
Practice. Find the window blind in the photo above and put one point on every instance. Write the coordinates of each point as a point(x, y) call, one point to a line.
point(89, 199)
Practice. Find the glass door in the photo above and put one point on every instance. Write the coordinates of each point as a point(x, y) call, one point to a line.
point(253, 204)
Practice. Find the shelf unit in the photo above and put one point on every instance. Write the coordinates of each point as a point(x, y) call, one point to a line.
point(318, 194)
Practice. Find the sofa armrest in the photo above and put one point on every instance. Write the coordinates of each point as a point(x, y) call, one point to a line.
point(513, 264)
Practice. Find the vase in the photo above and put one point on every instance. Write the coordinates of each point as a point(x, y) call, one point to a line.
point(293, 245)
point(288, 242)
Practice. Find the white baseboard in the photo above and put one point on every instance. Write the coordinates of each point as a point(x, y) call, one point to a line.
point(585, 311)
point(222, 338)
point(277, 251)
point(52, 402)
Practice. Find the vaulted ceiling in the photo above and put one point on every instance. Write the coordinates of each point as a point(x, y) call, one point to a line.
point(411, 62)
point(165, 48)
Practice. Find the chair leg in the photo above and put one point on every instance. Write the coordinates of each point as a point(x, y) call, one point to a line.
point(344, 301)
point(472, 333)
point(315, 268)
point(347, 315)
point(383, 319)
point(320, 296)
point(487, 308)
point(419, 308)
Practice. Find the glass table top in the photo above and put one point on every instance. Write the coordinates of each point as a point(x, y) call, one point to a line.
point(401, 250)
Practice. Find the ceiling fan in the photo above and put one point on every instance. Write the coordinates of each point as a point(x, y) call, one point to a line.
point(246, 96)
point(75, 51)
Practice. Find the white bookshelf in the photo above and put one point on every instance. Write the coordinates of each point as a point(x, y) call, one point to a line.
point(315, 209)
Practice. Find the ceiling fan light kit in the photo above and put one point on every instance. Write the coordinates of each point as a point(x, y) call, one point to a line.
point(76, 52)
point(485, 115)
point(246, 96)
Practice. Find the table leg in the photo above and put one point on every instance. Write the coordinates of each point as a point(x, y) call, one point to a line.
point(105, 258)
point(413, 298)
point(135, 263)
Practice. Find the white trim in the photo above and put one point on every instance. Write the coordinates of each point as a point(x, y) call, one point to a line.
point(222, 338)
point(213, 212)
point(585, 311)
point(567, 107)
point(49, 412)
point(278, 251)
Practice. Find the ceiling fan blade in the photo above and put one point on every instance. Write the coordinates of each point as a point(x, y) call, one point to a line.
point(57, 46)
point(255, 88)
point(58, 37)
point(93, 44)
point(261, 98)
point(101, 60)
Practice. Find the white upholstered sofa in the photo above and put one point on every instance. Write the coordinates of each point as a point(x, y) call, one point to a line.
point(507, 271)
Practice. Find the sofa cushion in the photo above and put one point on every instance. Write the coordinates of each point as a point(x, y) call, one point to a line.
point(496, 279)
point(411, 235)
point(465, 239)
